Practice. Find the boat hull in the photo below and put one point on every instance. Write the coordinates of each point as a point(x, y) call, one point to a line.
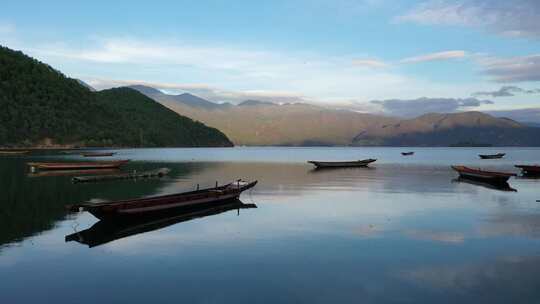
point(485, 176)
point(345, 164)
point(529, 170)
point(13, 152)
point(77, 166)
point(152, 205)
point(98, 154)
point(492, 156)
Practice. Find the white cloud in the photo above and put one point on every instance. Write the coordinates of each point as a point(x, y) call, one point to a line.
point(511, 69)
point(509, 18)
point(370, 63)
point(206, 91)
point(446, 55)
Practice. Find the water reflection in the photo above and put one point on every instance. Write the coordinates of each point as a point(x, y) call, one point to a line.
point(108, 230)
point(30, 205)
point(400, 232)
point(502, 186)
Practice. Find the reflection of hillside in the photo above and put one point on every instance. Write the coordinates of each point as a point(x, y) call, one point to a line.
point(30, 205)
point(106, 231)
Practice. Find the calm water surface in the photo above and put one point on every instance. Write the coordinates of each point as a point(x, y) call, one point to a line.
point(403, 231)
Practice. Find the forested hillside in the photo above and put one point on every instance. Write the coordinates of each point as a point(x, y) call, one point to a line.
point(40, 105)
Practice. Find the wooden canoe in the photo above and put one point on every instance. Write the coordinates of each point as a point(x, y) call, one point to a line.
point(131, 175)
point(106, 231)
point(407, 153)
point(477, 174)
point(529, 169)
point(492, 156)
point(77, 165)
point(156, 204)
point(98, 154)
point(13, 152)
point(342, 164)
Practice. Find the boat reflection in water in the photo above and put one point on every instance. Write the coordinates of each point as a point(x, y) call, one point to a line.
point(502, 186)
point(108, 230)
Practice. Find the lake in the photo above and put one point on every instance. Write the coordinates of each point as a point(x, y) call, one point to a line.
point(403, 231)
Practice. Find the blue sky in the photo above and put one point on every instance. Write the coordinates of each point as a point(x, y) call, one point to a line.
point(342, 53)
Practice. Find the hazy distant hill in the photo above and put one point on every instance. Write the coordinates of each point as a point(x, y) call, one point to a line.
point(40, 106)
point(467, 128)
point(254, 122)
point(181, 99)
point(263, 123)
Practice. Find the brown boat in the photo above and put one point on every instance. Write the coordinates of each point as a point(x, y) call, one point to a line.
point(156, 204)
point(492, 156)
point(77, 165)
point(341, 164)
point(106, 231)
point(47, 173)
point(13, 152)
point(488, 176)
point(530, 170)
point(98, 154)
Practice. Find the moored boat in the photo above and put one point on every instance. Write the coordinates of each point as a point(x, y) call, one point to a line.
point(342, 164)
point(492, 156)
point(13, 152)
point(76, 165)
point(407, 153)
point(109, 230)
point(530, 170)
point(156, 204)
point(483, 175)
point(98, 154)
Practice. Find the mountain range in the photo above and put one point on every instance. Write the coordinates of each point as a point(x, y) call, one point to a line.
point(254, 122)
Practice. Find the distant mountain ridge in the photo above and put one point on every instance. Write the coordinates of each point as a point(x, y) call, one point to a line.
point(42, 107)
point(255, 122)
point(454, 129)
point(170, 100)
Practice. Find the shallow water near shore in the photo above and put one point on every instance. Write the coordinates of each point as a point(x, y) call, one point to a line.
point(403, 231)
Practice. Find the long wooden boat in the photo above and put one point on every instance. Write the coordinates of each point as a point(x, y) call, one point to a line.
point(530, 170)
point(131, 175)
point(46, 173)
point(77, 165)
point(342, 164)
point(146, 206)
point(98, 154)
point(492, 156)
point(13, 152)
point(109, 230)
point(477, 174)
point(407, 153)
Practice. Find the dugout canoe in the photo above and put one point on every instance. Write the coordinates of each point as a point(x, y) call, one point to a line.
point(156, 204)
point(483, 175)
point(342, 164)
point(77, 165)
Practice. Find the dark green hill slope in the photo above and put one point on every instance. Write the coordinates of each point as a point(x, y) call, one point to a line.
point(40, 105)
